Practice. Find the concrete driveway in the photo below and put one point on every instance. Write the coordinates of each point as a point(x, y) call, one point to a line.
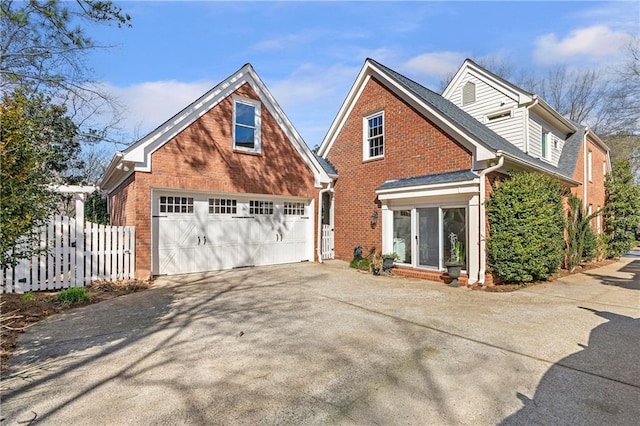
point(324, 344)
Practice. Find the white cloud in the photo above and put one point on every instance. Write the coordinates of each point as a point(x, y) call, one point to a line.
point(588, 43)
point(149, 104)
point(438, 64)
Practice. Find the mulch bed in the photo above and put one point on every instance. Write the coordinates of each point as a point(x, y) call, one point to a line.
point(505, 288)
point(18, 312)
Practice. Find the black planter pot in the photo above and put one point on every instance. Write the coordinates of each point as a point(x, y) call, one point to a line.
point(376, 271)
point(387, 263)
point(454, 269)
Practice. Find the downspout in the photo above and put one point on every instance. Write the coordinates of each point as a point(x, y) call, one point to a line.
point(585, 166)
point(483, 222)
point(320, 194)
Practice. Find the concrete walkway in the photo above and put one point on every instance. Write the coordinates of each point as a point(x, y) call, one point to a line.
point(324, 344)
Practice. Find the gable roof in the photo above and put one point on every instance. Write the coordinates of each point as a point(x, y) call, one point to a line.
point(137, 157)
point(522, 96)
point(488, 141)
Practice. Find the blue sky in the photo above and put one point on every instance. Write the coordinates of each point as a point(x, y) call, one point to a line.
point(309, 53)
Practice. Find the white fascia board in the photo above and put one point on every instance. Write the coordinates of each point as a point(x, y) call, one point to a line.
point(455, 81)
point(288, 128)
point(140, 152)
point(457, 188)
point(546, 111)
point(522, 162)
point(595, 138)
point(345, 110)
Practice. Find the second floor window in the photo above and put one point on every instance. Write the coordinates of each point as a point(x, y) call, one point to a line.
point(374, 132)
point(246, 125)
point(545, 142)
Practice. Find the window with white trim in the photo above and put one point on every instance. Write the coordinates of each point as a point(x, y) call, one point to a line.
point(544, 138)
point(599, 221)
point(468, 93)
point(374, 136)
point(260, 207)
point(499, 116)
point(176, 204)
point(222, 206)
point(293, 209)
point(590, 166)
point(246, 125)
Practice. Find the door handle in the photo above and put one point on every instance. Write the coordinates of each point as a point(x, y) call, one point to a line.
point(205, 240)
point(198, 240)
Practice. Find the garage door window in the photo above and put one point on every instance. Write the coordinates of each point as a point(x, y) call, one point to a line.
point(260, 207)
point(294, 209)
point(222, 206)
point(176, 205)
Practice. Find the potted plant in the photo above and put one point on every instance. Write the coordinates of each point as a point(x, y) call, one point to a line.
point(388, 260)
point(456, 260)
point(376, 263)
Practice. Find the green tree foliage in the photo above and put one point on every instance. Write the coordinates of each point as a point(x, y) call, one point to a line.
point(527, 228)
point(36, 144)
point(581, 241)
point(44, 44)
point(95, 209)
point(621, 209)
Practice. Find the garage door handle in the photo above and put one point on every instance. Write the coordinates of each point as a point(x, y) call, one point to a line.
point(198, 240)
point(205, 240)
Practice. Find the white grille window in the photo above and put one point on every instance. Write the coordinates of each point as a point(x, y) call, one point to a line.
point(374, 136)
point(260, 207)
point(222, 206)
point(176, 205)
point(293, 209)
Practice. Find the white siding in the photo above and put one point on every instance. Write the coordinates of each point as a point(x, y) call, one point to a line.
point(535, 139)
point(490, 100)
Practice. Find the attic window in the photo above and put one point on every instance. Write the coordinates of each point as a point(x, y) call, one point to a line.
point(498, 116)
point(246, 125)
point(468, 93)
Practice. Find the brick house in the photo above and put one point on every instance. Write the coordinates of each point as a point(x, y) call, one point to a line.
point(412, 167)
point(227, 182)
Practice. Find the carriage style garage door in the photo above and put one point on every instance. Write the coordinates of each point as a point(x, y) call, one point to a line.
point(197, 233)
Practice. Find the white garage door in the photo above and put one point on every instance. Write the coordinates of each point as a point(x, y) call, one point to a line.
point(197, 233)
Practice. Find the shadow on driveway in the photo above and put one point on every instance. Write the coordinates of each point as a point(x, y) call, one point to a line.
point(571, 390)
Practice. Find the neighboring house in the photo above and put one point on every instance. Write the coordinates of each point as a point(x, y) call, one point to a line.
point(529, 123)
point(413, 167)
point(227, 182)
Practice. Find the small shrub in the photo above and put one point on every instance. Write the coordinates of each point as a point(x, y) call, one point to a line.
point(27, 297)
point(361, 264)
point(589, 251)
point(74, 295)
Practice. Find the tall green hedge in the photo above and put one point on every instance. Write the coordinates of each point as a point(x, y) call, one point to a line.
point(622, 209)
point(526, 220)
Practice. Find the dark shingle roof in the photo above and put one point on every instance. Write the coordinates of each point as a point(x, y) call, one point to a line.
point(326, 165)
point(571, 151)
point(481, 132)
point(449, 177)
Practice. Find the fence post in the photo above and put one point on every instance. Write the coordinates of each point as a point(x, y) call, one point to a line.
point(79, 280)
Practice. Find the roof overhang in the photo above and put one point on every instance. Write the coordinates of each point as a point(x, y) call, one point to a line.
point(546, 112)
point(137, 157)
point(528, 166)
point(470, 186)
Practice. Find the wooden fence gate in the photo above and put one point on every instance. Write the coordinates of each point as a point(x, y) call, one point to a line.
point(78, 253)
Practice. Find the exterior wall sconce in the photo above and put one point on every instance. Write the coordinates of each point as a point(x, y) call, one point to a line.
point(374, 218)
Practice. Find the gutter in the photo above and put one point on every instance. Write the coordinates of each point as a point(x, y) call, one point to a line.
point(483, 222)
point(320, 194)
point(538, 168)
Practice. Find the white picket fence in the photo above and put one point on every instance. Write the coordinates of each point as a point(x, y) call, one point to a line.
point(327, 242)
point(77, 255)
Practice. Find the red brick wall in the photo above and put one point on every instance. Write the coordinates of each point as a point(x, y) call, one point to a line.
point(595, 187)
point(122, 204)
point(414, 146)
point(202, 157)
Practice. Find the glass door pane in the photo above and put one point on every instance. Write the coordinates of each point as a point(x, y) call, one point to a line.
point(402, 235)
point(428, 237)
point(454, 221)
